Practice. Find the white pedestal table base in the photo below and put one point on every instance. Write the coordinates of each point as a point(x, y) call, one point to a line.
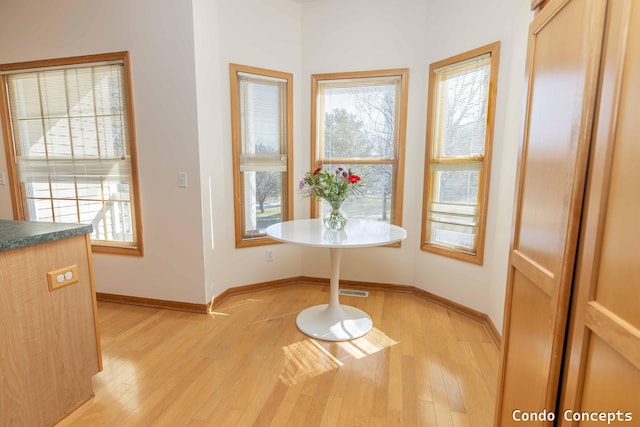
point(334, 323)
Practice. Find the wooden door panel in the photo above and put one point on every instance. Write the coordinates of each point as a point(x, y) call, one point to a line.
point(562, 81)
point(611, 384)
point(622, 336)
point(539, 276)
point(560, 104)
point(603, 352)
point(531, 316)
point(621, 235)
point(549, 159)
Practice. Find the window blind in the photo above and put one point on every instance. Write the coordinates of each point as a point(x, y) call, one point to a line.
point(263, 130)
point(460, 116)
point(71, 145)
point(261, 113)
point(462, 92)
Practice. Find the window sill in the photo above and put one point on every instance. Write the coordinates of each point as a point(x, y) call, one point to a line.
point(452, 253)
point(116, 250)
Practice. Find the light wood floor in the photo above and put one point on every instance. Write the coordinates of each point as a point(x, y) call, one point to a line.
point(247, 364)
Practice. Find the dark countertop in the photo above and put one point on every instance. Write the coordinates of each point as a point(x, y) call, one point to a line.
point(18, 234)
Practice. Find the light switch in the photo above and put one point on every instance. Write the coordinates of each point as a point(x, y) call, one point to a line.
point(182, 179)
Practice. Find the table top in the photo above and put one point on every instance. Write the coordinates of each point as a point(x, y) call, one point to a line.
point(357, 233)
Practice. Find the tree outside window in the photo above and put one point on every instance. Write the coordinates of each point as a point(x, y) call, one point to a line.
point(461, 109)
point(360, 122)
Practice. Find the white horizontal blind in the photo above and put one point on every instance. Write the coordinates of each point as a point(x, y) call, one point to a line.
point(263, 162)
point(263, 149)
point(460, 121)
point(462, 95)
point(37, 170)
point(262, 110)
point(360, 82)
point(71, 146)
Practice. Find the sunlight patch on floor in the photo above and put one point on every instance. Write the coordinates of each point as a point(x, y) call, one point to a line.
point(373, 342)
point(124, 392)
point(213, 314)
point(230, 305)
point(307, 359)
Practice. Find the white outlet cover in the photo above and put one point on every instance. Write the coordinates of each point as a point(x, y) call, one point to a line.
point(182, 179)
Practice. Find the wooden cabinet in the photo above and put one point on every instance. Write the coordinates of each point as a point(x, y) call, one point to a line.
point(49, 344)
point(571, 337)
point(602, 361)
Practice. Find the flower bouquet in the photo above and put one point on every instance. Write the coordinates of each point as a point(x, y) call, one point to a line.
point(335, 188)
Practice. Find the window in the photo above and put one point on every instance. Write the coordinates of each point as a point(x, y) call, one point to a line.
point(262, 138)
point(70, 146)
point(461, 109)
point(360, 123)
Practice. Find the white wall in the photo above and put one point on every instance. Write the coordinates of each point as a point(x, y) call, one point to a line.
point(376, 34)
point(180, 56)
point(508, 135)
point(159, 36)
point(265, 34)
point(359, 35)
point(457, 26)
point(209, 72)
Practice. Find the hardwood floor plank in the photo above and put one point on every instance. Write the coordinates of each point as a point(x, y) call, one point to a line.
point(427, 414)
point(331, 412)
point(410, 413)
point(281, 404)
point(246, 364)
point(381, 388)
point(461, 420)
point(298, 416)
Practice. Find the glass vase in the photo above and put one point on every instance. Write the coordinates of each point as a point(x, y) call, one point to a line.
point(335, 218)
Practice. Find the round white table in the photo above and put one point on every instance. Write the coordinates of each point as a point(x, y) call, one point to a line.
point(334, 321)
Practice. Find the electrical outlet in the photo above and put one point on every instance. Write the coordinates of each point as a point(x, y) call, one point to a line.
point(62, 277)
point(3, 180)
point(268, 255)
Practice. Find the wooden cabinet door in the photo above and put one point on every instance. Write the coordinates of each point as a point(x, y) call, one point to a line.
point(565, 41)
point(602, 374)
